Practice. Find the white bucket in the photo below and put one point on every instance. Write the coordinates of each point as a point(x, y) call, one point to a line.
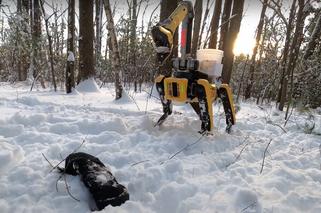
point(210, 62)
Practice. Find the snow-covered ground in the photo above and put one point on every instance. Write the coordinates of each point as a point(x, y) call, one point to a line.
point(219, 173)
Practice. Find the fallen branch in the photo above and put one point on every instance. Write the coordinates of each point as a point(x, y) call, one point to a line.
point(320, 154)
point(135, 164)
point(274, 124)
point(249, 206)
point(185, 147)
point(58, 181)
point(239, 155)
point(68, 187)
point(47, 160)
point(264, 154)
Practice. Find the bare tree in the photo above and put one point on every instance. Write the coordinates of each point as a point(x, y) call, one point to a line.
point(215, 24)
point(198, 7)
point(289, 29)
point(225, 17)
point(294, 51)
point(114, 50)
point(205, 17)
point(70, 73)
point(98, 37)
point(257, 43)
point(51, 54)
point(86, 40)
point(132, 57)
point(294, 54)
point(36, 38)
point(230, 40)
point(314, 38)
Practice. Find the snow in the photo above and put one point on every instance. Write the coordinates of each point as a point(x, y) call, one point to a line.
point(86, 86)
point(71, 56)
point(220, 173)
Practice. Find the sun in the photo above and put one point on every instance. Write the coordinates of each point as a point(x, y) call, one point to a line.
point(244, 44)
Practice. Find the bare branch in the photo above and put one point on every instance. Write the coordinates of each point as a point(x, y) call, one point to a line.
point(68, 187)
point(239, 155)
point(264, 154)
point(277, 9)
point(57, 166)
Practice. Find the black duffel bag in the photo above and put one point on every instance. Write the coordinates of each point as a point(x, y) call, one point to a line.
point(97, 178)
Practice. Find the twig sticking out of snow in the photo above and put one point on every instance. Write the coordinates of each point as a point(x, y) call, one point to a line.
point(320, 154)
point(249, 206)
point(239, 155)
point(135, 164)
point(57, 166)
point(264, 154)
point(186, 147)
point(47, 160)
point(274, 124)
point(66, 184)
point(62, 170)
point(269, 121)
point(53, 167)
point(68, 188)
point(62, 175)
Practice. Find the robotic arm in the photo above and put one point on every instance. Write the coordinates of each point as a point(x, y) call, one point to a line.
point(163, 32)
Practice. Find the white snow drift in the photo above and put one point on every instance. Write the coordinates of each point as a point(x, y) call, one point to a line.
point(219, 173)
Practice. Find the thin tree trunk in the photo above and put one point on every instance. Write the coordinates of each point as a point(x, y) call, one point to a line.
point(98, 22)
point(230, 40)
point(203, 25)
point(314, 38)
point(132, 57)
point(294, 52)
point(215, 24)
point(286, 49)
point(257, 43)
point(198, 7)
point(51, 56)
point(242, 78)
point(36, 37)
point(70, 73)
point(225, 17)
point(115, 50)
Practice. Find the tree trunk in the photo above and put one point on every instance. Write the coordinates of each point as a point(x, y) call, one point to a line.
point(225, 21)
point(167, 7)
point(86, 40)
point(132, 57)
point(198, 7)
point(257, 43)
point(215, 24)
point(230, 40)
point(70, 73)
point(98, 22)
point(241, 80)
point(286, 49)
point(51, 54)
point(294, 51)
point(115, 50)
point(314, 38)
point(36, 38)
point(207, 10)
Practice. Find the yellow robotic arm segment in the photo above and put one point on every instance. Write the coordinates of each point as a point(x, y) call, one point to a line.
point(176, 18)
point(164, 31)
